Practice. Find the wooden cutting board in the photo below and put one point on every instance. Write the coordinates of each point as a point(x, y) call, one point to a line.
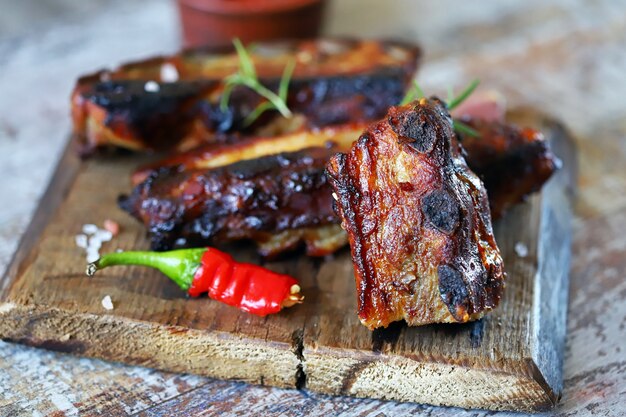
point(511, 359)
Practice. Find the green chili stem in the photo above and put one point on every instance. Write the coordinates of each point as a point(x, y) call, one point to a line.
point(179, 265)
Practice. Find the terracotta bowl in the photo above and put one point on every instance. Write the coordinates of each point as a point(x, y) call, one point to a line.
point(217, 22)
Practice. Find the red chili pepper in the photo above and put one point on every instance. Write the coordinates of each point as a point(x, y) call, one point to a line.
point(249, 287)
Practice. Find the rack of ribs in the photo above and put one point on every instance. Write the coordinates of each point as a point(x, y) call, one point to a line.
point(418, 221)
point(173, 102)
point(502, 151)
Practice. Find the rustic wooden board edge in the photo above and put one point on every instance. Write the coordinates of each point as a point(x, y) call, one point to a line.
point(426, 382)
point(59, 185)
point(554, 255)
point(206, 353)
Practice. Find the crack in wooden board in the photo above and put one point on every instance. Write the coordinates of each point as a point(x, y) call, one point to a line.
point(509, 360)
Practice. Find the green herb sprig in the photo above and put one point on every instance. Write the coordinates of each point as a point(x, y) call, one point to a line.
point(416, 92)
point(465, 129)
point(413, 94)
point(453, 102)
point(247, 76)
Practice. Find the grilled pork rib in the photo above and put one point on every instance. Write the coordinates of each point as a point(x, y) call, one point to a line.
point(278, 201)
point(334, 82)
point(513, 162)
point(213, 155)
point(418, 222)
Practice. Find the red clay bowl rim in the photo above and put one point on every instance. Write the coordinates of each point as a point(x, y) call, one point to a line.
point(246, 6)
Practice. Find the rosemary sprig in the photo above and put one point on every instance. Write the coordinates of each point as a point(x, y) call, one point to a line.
point(247, 76)
point(416, 92)
point(455, 101)
point(413, 94)
point(464, 129)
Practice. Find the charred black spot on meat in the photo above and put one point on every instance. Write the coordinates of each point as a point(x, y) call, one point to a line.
point(441, 209)
point(414, 128)
point(169, 107)
point(340, 99)
point(453, 291)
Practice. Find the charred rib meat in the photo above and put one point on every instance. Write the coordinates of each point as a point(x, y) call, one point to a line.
point(418, 222)
point(513, 162)
point(278, 201)
point(334, 82)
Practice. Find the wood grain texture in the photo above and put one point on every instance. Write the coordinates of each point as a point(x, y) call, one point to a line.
point(566, 57)
point(501, 362)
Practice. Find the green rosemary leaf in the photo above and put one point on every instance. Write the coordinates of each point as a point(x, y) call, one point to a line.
point(277, 102)
point(450, 96)
point(259, 110)
point(285, 79)
point(413, 94)
point(228, 89)
point(462, 128)
point(246, 76)
point(452, 103)
point(246, 66)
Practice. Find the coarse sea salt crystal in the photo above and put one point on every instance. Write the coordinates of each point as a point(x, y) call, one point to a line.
point(107, 303)
point(169, 73)
point(151, 87)
point(94, 244)
point(81, 241)
point(103, 235)
point(92, 240)
point(93, 256)
point(90, 229)
point(521, 250)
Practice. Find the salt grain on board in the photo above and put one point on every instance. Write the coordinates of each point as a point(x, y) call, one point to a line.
point(107, 303)
point(81, 241)
point(151, 87)
point(92, 240)
point(169, 73)
point(90, 229)
point(93, 256)
point(103, 235)
point(521, 250)
point(94, 243)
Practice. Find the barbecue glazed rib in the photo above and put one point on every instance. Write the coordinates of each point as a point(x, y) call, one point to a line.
point(213, 155)
point(141, 106)
point(277, 201)
point(513, 162)
point(418, 222)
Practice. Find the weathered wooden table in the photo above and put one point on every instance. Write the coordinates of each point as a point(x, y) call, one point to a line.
point(567, 57)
